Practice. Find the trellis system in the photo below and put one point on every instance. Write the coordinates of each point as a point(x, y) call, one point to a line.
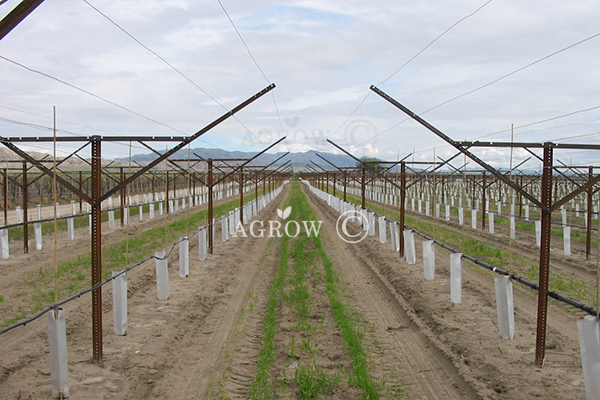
point(545, 203)
point(97, 195)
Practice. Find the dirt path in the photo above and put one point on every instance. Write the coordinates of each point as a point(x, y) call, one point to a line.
point(173, 348)
point(406, 349)
point(19, 267)
point(205, 340)
point(467, 332)
point(405, 357)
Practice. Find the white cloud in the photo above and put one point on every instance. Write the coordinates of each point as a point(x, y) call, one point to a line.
point(294, 147)
point(366, 150)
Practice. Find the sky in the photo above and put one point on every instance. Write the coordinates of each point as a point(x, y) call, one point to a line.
point(471, 68)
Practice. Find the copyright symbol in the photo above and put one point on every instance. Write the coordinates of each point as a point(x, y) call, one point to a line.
point(341, 226)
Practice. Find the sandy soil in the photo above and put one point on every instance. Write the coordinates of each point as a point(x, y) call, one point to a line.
point(467, 332)
point(204, 341)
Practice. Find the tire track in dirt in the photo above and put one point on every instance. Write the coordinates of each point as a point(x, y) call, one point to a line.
point(501, 369)
point(171, 349)
point(307, 340)
point(201, 357)
point(425, 371)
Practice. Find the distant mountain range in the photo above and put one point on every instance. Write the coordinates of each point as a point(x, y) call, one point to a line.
point(298, 160)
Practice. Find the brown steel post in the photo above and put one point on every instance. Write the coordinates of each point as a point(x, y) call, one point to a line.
point(81, 190)
point(345, 183)
point(194, 185)
point(153, 186)
point(210, 206)
point(362, 186)
point(242, 194)
point(41, 188)
point(123, 194)
point(326, 182)
point(483, 199)
point(540, 344)
point(443, 191)
point(167, 194)
point(25, 210)
point(334, 182)
point(402, 206)
point(521, 200)
point(5, 190)
point(96, 249)
point(588, 238)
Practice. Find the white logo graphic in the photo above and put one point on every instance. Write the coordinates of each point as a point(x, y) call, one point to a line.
point(291, 228)
point(341, 226)
point(285, 213)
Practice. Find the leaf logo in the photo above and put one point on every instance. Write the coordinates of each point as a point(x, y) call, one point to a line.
point(285, 213)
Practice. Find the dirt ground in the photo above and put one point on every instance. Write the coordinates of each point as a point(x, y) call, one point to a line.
point(203, 342)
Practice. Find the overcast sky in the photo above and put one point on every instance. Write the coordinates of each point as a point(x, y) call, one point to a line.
point(323, 56)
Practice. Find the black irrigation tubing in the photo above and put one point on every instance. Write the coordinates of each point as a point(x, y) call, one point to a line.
point(45, 220)
point(87, 213)
point(500, 271)
point(520, 279)
point(107, 280)
point(103, 210)
point(518, 216)
point(521, 218)
point(73, 297)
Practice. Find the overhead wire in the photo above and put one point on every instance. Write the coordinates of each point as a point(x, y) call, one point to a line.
point(253, 60)
point(47, 128)
point(89, 93)
point(495, 81)
point(97, 97)
point(171, 65)
point(408, 62)
point(435, 40)
point(243, 42)
point(513, 72)
point(73, 86)
point(542, 121)
point(43, 127)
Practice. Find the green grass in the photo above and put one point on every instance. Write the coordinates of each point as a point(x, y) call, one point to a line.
point(313, 382)
point(345, 318)
point(305, 254)
point(261, 387)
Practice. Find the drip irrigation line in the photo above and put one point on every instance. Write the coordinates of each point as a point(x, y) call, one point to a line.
point(87, 213)
point(71, 298)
